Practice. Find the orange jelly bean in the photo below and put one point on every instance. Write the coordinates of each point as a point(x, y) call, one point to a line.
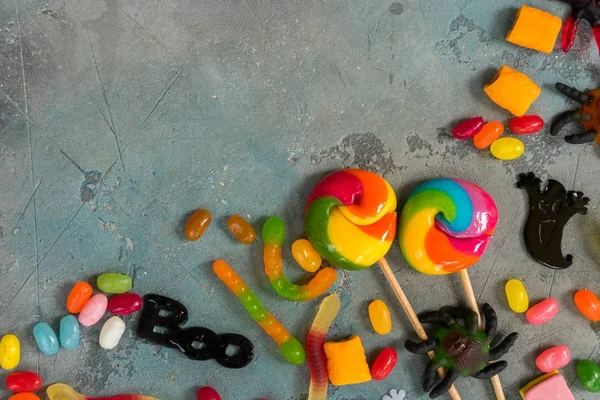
point(589, 304)
point(79, 295)
point(490, 132)
point(241, 229)
point(24, 396)
point(306, 255)
point(197, 224)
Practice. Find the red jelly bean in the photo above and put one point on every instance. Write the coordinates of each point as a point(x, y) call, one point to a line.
point(553, 358)
point(542, 312)
point(208, 393)
point(126, 303)
point(384, 364)
point(467, 129)
point(23, 382)
point(526, 125)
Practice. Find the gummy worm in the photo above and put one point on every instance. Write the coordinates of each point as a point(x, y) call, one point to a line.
point(317, 361)
point(350, 218)
point(61, 391)
point(446, 225)
point(273, 235)
point(289, 347)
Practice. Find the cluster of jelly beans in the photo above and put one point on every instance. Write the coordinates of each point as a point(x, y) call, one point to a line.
point(557, 357)
point(488, 134)
point(237, 225)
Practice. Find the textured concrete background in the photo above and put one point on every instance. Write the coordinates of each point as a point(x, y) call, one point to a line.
point(130, 114)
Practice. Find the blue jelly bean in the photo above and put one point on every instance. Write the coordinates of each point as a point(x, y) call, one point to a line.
point(69, 332)
point(45, 338)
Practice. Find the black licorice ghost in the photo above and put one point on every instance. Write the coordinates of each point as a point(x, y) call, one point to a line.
point(549, 211)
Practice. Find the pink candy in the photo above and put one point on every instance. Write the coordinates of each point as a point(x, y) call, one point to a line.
point(467, 129)
point(553, 358)
point(542, 312)
point(93, 310)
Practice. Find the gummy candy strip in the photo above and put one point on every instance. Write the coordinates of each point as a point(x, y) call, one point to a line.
point(60, 391)
point(317, 361)
point(350, 218)
point(446, 225)
point(289, 347)
point(273, 235)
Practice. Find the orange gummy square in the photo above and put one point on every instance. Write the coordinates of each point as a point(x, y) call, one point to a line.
point(535, 29)
point(512, 90)
point(346, 362)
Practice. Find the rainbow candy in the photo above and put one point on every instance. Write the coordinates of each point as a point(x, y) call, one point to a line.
point(289, 347)
point(350, 218)
point(60, 391)
point(446, 225)
point(317, 360)
point(273, 235)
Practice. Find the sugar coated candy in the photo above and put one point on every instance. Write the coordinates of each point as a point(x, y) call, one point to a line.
point(93, 310)
point(23, 381)
point(45, 338)
point(241, 229)
point(125, 304)
point(10, 352)
point(306, 255)
point(114, 283)
point(507, 148)
point(517, 297)
point(197, 224)
point(588, 304)
point(79, 295)
point(111, 333)
point(468, 128)
point(553, 358)
point(69, 332)
point(542, 312)
point(380, 317)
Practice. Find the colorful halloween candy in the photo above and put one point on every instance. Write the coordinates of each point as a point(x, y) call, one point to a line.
point(350, 218)
point(306, 255)
point(93, 310)
point(346, 362)
point(588, 304)
point(517, 297)
point(241, 229)
point(69, 332)
point(23, 381)
point(446, 225)
point(45, 338)
point(114, 283)
point(197, 224)
point(273, 235)
point(60, 391)
point(10, 352)
point(380, 317)
point(79, 295)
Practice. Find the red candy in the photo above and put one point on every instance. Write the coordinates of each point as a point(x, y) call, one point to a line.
point(553, 358)
point(542, 312)
point(527, 124)
point(24, 381)
point(208, 393)
point(126, 303)
point(467, 129)
point(384, 364)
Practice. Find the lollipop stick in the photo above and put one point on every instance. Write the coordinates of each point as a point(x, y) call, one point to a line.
point(412, 316)
point(466, 282)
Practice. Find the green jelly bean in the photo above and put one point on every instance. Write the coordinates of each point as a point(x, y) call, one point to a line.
point(588, 373)
point(114, 283)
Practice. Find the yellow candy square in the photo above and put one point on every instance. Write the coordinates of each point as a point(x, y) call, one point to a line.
point(512, 90)
point(346, 362)
point(535, 29)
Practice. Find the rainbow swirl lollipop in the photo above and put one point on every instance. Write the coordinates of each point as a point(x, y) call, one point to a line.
point(350, 218)
point(446, 225)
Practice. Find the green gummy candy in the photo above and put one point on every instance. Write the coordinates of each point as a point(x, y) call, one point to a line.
point(293, 351)
point(588, 373)
point(114, 283)
point(273, 231)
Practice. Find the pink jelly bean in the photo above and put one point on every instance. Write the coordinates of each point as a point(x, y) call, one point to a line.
point(467, 129)
point(124, 304)
point(542, 312)
point(553, 358)
point(93, 310)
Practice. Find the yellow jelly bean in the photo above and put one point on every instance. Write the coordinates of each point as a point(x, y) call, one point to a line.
point(507, 148)
point(518, 301)
point(10, 352)
point(380, 317)
point(306, 255)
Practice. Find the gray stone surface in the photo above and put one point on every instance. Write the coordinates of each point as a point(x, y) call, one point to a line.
point(130, 114)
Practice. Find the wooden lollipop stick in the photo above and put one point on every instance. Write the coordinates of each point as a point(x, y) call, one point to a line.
point(466, 282)
point(412, 316)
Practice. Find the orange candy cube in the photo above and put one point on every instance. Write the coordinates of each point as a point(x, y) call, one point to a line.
point(512, 90)
point(346, 362)
point(535, 29)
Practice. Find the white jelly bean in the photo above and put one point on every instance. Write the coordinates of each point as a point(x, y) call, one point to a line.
point(111, 333)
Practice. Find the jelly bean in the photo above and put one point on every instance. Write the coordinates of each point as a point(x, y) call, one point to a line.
point(197, 224)
point(542, 312)
point(526, 124)
point(24, 396)
point(45, 338)
point(125, 304)
point(380, 317)
point(93, 310)
point(241, 229)
point(60, 391)
point(111, 333)
point(208, 393)
point(24, 381)
point(114, 283)
point(517, 297)
point(306, 255)
point(553, 358)
point(588, 304)
point(490, 132)
point(79, 295)
point(468, 128)
point(384, 364)
point(10, 352)
point(507, 148)
point(69, 332)
point(588, 373)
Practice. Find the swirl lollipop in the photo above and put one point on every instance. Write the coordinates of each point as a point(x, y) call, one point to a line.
point(350, 221)
point(445, 227)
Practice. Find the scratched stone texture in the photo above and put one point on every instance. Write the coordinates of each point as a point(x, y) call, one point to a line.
point(123, 116)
